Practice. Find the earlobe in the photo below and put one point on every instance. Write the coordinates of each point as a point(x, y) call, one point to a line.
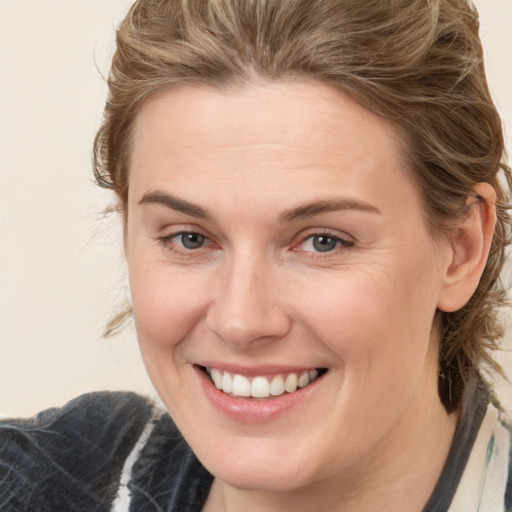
point(469, 248)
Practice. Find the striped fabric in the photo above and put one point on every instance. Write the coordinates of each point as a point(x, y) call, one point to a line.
point(485, 477)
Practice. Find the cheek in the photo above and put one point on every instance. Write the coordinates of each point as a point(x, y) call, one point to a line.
point(166, 304)
point(367, 306)
point(377, 321)
point(166, 310)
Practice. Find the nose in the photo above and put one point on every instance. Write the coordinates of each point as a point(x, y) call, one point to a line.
point(247, 309)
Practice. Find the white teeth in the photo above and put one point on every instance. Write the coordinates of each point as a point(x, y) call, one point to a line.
point(303, 380)
point(227, 383)
point(290, 384)
point(260, 387)
point(277, 386)
point(217, 378)
point(241, 386)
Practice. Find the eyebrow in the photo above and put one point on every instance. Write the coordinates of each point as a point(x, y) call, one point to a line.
point(331, 205)
point(300, 213)
point(174, 203)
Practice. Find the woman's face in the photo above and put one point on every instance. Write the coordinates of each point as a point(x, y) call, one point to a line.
point(274, 235)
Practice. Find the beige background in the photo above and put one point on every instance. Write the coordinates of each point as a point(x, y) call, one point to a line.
point(61, 264)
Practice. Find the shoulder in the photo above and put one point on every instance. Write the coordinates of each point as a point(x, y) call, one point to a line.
point(70, 458)
point(494, 449)
point(166, 474)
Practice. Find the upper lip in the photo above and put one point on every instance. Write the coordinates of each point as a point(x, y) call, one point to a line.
point(259, 370)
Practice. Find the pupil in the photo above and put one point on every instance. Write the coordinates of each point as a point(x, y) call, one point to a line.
point(324, 243)
point(192, 240)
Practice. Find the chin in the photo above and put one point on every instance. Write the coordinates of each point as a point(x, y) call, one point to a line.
point(264, 476)
point(259, 464)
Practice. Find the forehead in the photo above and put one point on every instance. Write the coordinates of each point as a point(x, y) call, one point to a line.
point(258, 113)
point(294, 135)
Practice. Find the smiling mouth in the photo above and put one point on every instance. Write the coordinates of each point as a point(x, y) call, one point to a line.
point(261, 386)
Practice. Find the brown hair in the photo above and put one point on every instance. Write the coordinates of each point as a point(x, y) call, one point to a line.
point(416, 62)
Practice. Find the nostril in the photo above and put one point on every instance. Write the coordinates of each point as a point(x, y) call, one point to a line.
point(243, 311)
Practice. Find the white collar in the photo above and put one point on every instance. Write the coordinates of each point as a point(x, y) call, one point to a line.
point(483, 483)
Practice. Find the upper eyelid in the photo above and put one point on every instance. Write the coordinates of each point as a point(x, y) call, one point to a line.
point(341, 240)
point(169, 232)
point(175, 234)
point(327, 232)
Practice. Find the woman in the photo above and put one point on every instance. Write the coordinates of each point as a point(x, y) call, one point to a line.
point(315, 220)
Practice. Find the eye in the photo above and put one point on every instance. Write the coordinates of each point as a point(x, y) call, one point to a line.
point(191, 240)
point(185, 241)
point(322, 243)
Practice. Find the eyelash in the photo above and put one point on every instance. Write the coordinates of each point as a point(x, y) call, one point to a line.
point(339, 242)
point(166, 241)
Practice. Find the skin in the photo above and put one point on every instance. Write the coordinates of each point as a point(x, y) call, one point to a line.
point(257, 292)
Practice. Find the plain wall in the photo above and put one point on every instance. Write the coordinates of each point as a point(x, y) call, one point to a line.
point(61, 264)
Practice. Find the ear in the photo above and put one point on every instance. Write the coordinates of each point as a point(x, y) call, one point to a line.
point(469, 247)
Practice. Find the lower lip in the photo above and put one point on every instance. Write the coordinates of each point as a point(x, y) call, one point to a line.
point(250, 410)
